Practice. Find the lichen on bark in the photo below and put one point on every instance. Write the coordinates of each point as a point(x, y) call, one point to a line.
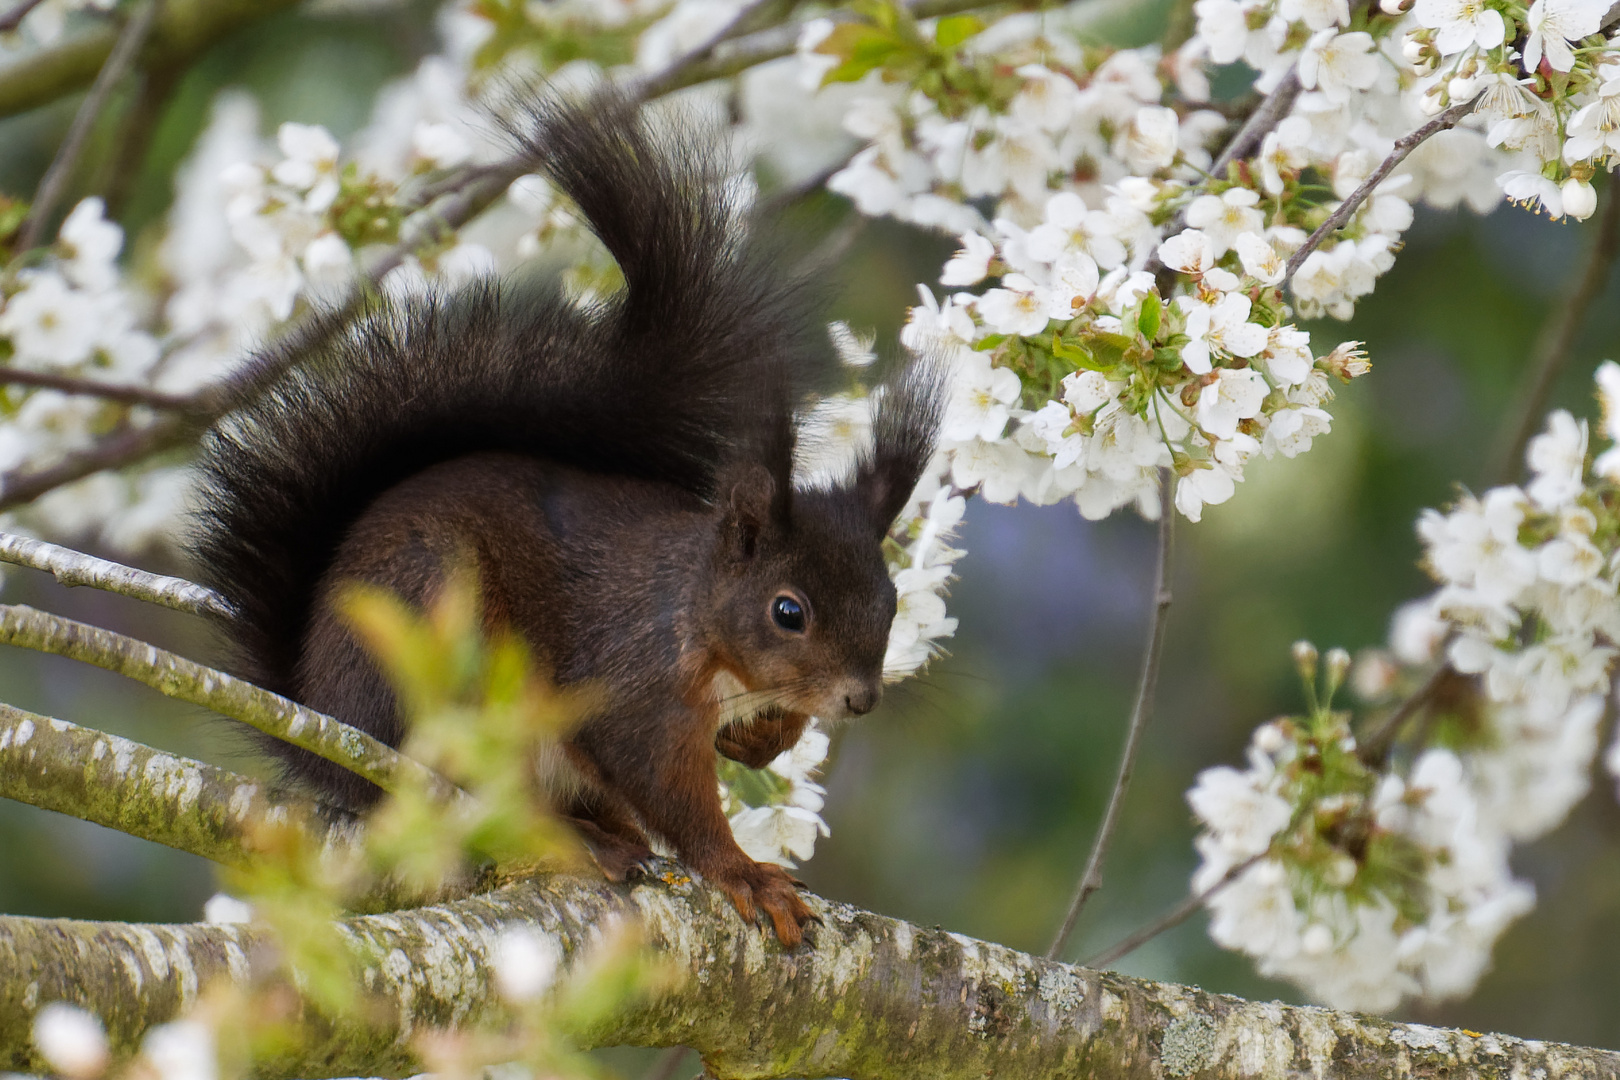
point(870, 998)
point(124, 785)
point(189, 681)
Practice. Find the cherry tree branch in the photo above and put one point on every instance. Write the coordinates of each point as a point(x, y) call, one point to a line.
point(13, 18)
point(874, 998)
point(73, 568)
point(183, 804)
point(1557, 337)
point(184, 28)
point(1375, 748)
point(1141, 711)
point(187, 680)
point(1169, 920)
point(1266, 116)
point(123, 393)
point(119, 61)
point(130, 441)
point(1403, 146)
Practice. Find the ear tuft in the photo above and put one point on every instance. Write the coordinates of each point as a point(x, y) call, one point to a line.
point(905, 431)
point(751, 495)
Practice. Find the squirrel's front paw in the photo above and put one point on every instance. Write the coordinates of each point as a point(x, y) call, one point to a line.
point(765, 888)
point(754, 753)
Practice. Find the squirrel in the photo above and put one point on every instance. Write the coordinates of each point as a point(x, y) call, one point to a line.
point(620, 474)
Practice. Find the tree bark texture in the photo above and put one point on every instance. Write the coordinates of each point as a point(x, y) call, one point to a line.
point(870, 998)
point(184, 28)
point(124, 785)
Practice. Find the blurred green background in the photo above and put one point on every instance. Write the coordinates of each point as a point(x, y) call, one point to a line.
point(969, 799)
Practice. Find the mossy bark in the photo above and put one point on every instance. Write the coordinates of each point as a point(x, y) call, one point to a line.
point(73, 568)
point(184, 28)
point(189, 681)
point(872, 998)
point(172, 800)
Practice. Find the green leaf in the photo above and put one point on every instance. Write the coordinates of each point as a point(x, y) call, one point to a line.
point(1078, 355)
point(861, 47)
point(1148, 320)
point(989, 342)
point(955, 29)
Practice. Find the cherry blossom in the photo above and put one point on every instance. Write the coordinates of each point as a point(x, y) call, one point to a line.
point(1461, 23)
point(1553, 24)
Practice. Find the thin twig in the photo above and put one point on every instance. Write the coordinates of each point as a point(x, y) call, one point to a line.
point(1376, 746)
point(1266, 116)
point(785, 197)
point(1170, 919)
point(1091, 880)
point(187, 680)
point(1557, 337)
point(73, 568)
point(13, 18)
point(56, 178)
point(1403, 146)
point(123, 393)
point(122, 445)
point(136, 127)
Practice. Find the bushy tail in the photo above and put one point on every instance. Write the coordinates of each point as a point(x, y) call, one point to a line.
point(704, 355)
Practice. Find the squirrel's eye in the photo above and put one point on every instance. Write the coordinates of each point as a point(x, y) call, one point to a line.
point(788, 613)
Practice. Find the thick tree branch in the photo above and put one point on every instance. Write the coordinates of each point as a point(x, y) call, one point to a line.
point(76, 568)
point(16, 14)
point(187, 680)
point(184, 28)
point(184, 804)
point(873, 999)
point(1141, 711)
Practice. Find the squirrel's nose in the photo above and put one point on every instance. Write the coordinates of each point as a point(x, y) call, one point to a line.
point(861, 701)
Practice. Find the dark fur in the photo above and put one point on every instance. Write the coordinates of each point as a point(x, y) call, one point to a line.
point(621, 476)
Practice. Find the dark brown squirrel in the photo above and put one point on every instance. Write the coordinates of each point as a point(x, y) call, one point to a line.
point(620, 473)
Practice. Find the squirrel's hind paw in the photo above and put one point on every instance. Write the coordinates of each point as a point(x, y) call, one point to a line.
point(619, 858)
point(763, 888)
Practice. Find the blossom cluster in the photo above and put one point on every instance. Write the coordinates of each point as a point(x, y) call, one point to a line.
point(1359, 887)
point(1527, 605)
point(1508, 666)
point(1545, 80)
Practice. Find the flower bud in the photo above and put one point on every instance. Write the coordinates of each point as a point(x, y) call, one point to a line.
point(1305, 660)
point(1338, 665)
point(1461, 89)
point(1269, 738)
point(1580, 198)
point(1340, 870)
point(1433, 102)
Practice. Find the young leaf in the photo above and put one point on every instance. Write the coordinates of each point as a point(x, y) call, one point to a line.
point(955, 29)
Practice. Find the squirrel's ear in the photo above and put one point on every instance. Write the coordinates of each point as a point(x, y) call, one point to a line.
point(905, 429)
point(749, 496)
